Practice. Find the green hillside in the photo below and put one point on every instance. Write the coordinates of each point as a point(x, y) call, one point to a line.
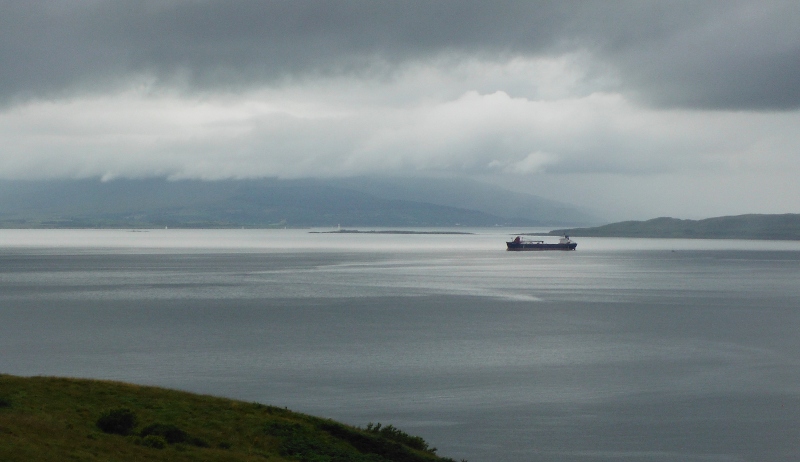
point(58, 419)
point(774, 227)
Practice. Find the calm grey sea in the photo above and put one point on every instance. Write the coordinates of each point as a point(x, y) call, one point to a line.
point(624, 350)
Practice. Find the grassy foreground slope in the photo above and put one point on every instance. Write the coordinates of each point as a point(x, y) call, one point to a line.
point(56, 419)
point(754, 226)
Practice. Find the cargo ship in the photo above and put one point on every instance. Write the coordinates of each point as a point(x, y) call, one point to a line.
point(519, 244)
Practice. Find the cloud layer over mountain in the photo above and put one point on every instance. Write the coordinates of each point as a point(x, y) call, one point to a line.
point(634, 108)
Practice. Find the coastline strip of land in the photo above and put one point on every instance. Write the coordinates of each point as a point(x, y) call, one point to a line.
point(355, 231)
point(753, 226)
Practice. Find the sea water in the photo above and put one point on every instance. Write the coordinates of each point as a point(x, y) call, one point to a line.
point(626, 349)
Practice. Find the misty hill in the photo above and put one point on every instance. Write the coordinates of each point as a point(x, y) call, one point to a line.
point(777, 227)
point(259, 203)
point(473, 195)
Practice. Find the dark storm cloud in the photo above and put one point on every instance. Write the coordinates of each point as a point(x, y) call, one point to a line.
point(52, 45)
point(688, 54)
point(740, 56)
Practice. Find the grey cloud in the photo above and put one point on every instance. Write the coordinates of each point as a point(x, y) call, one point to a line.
point(744, 56)
point(49, 46)
point(686, 54)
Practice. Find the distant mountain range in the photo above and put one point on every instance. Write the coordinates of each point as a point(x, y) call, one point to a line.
point(776, 227)
point(275, 203)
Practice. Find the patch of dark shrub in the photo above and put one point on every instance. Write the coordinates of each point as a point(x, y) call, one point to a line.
point(372, 444)
point(4, 402)
point(303, 443)
point(395, 434)
point(154, 441)
point(171, 433)
point(119, 421)
point(199, 442)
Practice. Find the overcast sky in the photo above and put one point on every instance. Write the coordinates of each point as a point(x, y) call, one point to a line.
point(634, 109)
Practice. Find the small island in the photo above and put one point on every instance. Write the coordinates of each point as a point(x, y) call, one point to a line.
point(753, 226)
point(355, 231)
point(57, 419)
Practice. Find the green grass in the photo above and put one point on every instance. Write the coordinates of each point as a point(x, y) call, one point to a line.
point(56, 419)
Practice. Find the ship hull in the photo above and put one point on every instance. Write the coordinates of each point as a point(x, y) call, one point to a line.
point(520, 246)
